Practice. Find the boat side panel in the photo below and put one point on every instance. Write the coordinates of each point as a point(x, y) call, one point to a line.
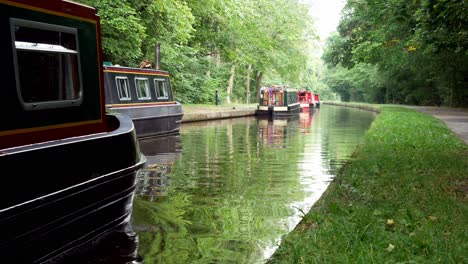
point(111, 87)
point(44, 170)
point(61, 122)
point(154, 120)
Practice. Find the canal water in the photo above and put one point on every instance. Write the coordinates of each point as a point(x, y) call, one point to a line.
point(226, 191)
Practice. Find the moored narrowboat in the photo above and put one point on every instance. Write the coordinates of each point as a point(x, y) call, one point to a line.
point(316, 100)
point(146, 96)
point(306, 100)
point(278, 101)
point(69, 168)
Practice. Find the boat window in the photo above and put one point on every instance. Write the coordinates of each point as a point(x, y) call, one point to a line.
point(161, 88)
point(142, 86)
point(47, 64)
point(123, 90)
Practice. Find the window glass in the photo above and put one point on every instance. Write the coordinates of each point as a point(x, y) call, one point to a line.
point(123, 90)
point(142, 86)
point(46, 64)
point(161, 88)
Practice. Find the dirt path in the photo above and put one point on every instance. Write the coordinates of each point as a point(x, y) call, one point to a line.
point(455, 118)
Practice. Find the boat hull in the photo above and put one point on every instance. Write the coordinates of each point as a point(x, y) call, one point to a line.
point(278, 110)
point(306, 107)
point(154, 120)
point(63, 193)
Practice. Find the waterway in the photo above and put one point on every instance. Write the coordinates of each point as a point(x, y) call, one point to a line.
point(226, 191)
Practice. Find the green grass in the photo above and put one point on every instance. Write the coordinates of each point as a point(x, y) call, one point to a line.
point(402, 198)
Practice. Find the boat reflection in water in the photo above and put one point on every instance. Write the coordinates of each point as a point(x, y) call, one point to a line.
point(306, 119)
point(161, 153)
point(273, 131)
point(153, 181)
point(117, 246)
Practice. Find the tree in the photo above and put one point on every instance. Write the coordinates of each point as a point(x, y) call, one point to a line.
point(419, 48)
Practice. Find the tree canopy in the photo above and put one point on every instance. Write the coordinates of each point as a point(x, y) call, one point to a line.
point(410, 52)
point(210, 45)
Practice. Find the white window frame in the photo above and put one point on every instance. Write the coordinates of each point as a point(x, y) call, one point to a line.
point(147, 90)
point(165, 86)
point(120, 88)
point(45, 48)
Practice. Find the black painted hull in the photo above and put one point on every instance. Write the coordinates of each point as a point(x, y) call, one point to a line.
point(61, 194)
point(155, 120)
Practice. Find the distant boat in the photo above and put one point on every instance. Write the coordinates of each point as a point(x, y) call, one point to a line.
point(68, 168)
point(306, 100)
point(316, 100)
point(278, 101)
point(145, 95)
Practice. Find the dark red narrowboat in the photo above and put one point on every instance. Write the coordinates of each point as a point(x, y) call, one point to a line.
point(306, 100)
point(316, 100)
point(69, 169)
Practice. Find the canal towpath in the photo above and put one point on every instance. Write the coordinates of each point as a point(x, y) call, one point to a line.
point(455, 118)
point(193, 113)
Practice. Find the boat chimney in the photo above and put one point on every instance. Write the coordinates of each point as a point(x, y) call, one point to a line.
point(157, 56)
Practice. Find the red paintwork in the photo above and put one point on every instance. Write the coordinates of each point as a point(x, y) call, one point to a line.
point(59, 6)
point(316, 97)
point(305, 97)
point(26, 138)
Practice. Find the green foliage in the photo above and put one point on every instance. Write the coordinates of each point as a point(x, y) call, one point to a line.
point(119, 21)
point(420, 49)
point(201, 39)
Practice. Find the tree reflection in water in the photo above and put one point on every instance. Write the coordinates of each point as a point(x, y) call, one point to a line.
point(228, 190)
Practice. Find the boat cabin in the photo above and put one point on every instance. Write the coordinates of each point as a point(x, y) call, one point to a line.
point(278, 100)
point(135, 86)
point(48, 67)
point(146, 96)
point(306, 100)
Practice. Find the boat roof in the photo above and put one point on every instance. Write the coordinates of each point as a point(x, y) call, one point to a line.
point(134, 70)
point(287, 89)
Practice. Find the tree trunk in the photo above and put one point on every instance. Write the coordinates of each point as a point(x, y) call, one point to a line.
point(230, 85)
point(247, 84)
point(258, 79)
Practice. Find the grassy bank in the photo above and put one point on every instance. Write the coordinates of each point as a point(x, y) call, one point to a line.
point(402, 198)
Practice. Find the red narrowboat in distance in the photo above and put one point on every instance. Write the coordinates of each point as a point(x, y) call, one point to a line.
point(306, 100)
point(69, 169)
point(316, 100)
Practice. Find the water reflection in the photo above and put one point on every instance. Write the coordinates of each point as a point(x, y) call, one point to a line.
point(117, 246)
point(273, 131)
point(161, 153)
point(226, 191)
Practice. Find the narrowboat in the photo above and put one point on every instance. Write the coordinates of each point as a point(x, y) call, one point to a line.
point(278, 101)
point(316, 100)
point(69, 169)
point(306, 100)
point(145, 95)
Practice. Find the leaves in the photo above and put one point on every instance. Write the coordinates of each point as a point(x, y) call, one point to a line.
point(420, 49)
point(201, 39)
